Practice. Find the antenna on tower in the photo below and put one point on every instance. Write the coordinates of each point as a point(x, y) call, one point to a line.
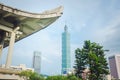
point(65, 28)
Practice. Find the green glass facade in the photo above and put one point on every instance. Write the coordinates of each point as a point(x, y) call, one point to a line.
point(66, 62)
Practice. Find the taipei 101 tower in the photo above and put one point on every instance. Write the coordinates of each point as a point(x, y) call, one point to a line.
point(66, 57)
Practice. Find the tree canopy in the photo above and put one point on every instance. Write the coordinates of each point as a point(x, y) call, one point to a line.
point(29, 75)
point(92, 55)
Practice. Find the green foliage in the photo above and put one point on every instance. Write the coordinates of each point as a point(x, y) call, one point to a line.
point(80, 62)
point(35, 76)
point(29, 75)
point(72, 77)
point(59, 77)
point(92, 56)
point(56, 78)
point(26, 74)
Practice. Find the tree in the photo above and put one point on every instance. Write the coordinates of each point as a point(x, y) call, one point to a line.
point(72, 77)
point(35, 76)
point(80, 62)
point(25, 74)
point(29, 75)
point(60, 77)
point(92, 56)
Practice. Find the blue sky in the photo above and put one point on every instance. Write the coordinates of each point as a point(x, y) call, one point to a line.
point(95, 20)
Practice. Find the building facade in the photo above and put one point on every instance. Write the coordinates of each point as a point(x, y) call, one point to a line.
point(114, 62)
point(37, 62)
point(66, 57)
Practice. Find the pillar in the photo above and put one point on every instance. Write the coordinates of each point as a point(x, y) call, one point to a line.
point(2, 37)
point(10, 50)
point(1, 47)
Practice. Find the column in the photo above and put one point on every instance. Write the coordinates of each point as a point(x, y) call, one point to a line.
point(2, 37)
point(10, 50)
point(1, 47)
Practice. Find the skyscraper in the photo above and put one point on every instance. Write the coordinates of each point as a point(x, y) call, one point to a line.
point(114, 62)
point(37, 61)
point(66, 57)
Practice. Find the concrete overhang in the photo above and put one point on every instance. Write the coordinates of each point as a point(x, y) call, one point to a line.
point(29, 23)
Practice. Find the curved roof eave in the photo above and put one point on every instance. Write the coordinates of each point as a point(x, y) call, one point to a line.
point(29, 23)
point(51, 13)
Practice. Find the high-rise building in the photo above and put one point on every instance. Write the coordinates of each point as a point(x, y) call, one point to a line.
point(114, 62)
point(37, 61)
point(66, 57)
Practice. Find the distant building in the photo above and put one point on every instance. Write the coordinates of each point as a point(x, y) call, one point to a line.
point(37, 61)
point(85, 74)
point(66, 57)
point(19, 67)
point(12, 73)
point(107, 77)
point(114, 62)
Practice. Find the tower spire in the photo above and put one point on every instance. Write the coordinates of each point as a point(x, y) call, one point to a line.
point(65, 28)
